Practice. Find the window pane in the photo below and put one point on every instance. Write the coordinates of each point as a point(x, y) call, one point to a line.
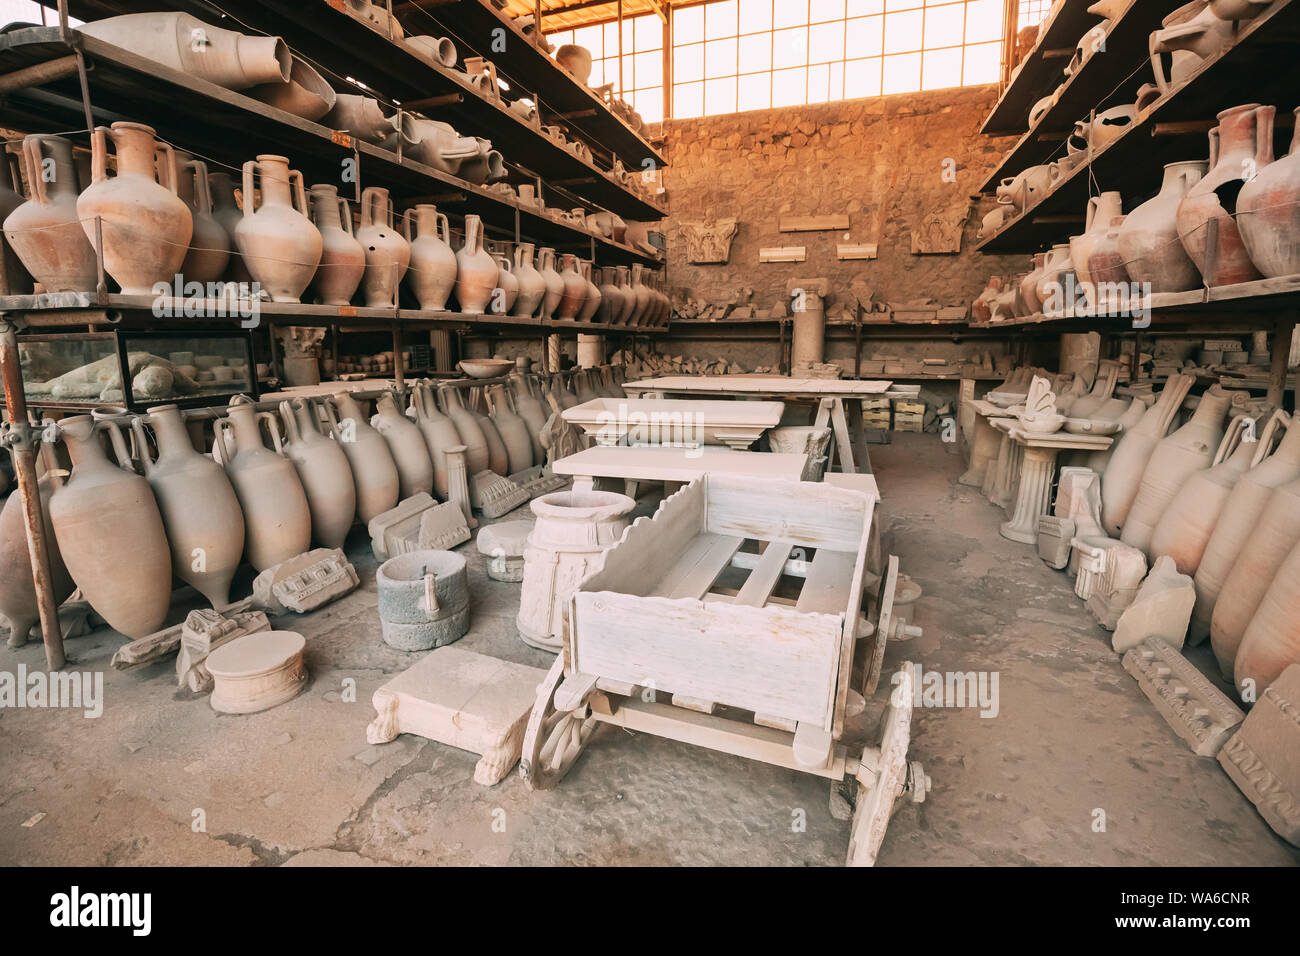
point(649, 68)
point(862, 8)
point(755, 16)
point(903, 32)
point(943, 26)
point(819, 83)
point(756, 91)
point(591, 38)
point(688, 100)
point(982, 63)
point(893, 5)
point(837, 80)
point(941, 68)
point(650, 104)
point(720, 19)
point(597, 77)
point(720, 57)
point(865, 37)
point(720, 96)
point(983, 20)
point(688, 27)
point(822, 10)
point(902, 73)
point(688, 63)
point(756, 53)
point(789, 87)
point(791, 13)
point(862, 78)
point(649, 33)
point(790, 48)
point(826, 42)
point(611, 39)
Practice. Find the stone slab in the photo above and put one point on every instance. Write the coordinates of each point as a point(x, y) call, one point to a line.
point(1263, 757)
point(1194, 708)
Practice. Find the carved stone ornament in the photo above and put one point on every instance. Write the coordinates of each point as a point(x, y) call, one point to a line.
point(939, 231)
point(709, 242)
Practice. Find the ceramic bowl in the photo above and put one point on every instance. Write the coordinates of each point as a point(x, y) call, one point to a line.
point(1005, 399)
point(485, 368)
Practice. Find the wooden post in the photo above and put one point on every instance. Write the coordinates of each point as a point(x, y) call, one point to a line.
point(399, 360)
point(1281, 353)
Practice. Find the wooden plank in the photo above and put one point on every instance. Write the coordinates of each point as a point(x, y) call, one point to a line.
point(795, 567)
point(695, 704)
point(699, 566)
point(649, 549)
point(835, 222)
point(776, 723)
point(807, 514)
point(862, 250)
point(782, 254)
point(771, 565)
point(829, 581)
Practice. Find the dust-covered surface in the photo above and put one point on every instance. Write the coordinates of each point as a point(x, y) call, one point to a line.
point(160, 778)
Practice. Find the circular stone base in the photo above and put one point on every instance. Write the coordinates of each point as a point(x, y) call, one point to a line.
point(427, 635)
point(256, 672)
point(543, 642)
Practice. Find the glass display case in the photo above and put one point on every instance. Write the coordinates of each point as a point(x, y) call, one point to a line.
point(78, 371)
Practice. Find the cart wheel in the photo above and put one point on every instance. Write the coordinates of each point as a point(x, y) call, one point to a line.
point(554, 738)
point(888, 628)
point(883, 774)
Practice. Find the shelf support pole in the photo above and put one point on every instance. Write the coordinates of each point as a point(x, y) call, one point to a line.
point(1281, 353)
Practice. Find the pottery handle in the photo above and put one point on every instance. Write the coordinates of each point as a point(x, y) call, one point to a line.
point(273, 426)
point(299, 191)
point(120, 451)
point(345, 216)
point(1232, 437)
point(137, 429)
point(250, 168)
point(1094, 203)
point(165, 159)
point(1278, 421)
point(290, 423)
point(99, 154)
point(1264, 136)
point(1214, 147)
point(368, 196)
point(202, 189)
point(445, 226)
point(332, 416)
point(406, 224)
point(219, 428)
point(35, 158)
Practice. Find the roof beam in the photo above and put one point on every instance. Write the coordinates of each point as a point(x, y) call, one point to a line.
point(655, 5)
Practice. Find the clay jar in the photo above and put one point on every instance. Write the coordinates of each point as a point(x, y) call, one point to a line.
point(532, 287)
point(1148, 238)
point(1129, 456)
point(531, 410)
point(592, 301)
point(14, 278)
point(226, 211)
point(554, 284)
point(146, 227)
point(433, 265)
point(388, 254)
point(1242, 140)
point(611, 296)
point(277, 517)
point(512, 428)
point(476, 271)
point(1051, 282)
point(1101, 210)
point(575, 59)
point(1272, 639)
point(1190, 34)
point(572, 532)
point(1029, 284)
point(275, 239)
point(439, 433)
point(110, 533)
point(342, 261)
point(622, 278)
point(201, 515)
point(498, 456)
point(44, 232)
point(209, 253)
point(467, 426)
point(324, 472)
point(1268, 212)
point(1175, 459)
point(414, 468)
point(373, 469)
point(642, 292)
point(17, 591)
point(508, 285)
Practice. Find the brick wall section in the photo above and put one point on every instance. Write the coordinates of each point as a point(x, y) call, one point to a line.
point(879, 159)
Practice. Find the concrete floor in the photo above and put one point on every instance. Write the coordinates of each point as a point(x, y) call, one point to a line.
point(161, 779)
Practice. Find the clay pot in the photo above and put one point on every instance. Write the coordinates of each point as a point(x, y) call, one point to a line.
point(307, 94)
point(467, 426)
point(17, 591)
point(1268, 211)
point(439, 433)
point(110, 533)
point(276, 239)
point(435, 144)
point(1236, 522)
point(592, 301)
point(414, 468)
point(44, 233)
point(1129, 456)
point(476, 271)
point(146, 227)
point(277, 517)
point(359, 116)
point(1190, 35)
point(433, 265)
point(512, 428)
point(388, 253)
point(532, 411)
point(1106, 127)
point(1173, 461)
point(1185, 528)
point(1027, 187)
point(1237, 9)
point(498, 456)
point(1050, 290)
point(208, 257)
point(575, 59)
point(1103, 385)
point(611, 296)
point(324, 472)
point(373, 470)
point(1029, 283)
point(562, 392)
point(554, 284)
point(508, 285)
point(571, 534)
point(14, 278)
point(642, 292)
point(532, 287)
point(582, 387)
point(1148, 238)
point(624, 281)
point(184, 43)
point(439, 49)
point(227, 212)
point(1243, 137)
point(1128, 420)
point(201, 515)
point(1271, 642)
point(1101, 210)
point(342, 261)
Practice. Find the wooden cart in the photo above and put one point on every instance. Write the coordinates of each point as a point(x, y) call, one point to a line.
point(733, 619)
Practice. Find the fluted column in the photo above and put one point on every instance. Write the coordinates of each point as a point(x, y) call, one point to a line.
point(983, 452)
point(1037, 466)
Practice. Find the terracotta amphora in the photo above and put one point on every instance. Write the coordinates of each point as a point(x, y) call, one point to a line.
point(611, 296)
point(642, 291)
point(388, 253)
point(582, 387)
point(591, 300)
point(146, 227)
point(1029, 283)
point(1243, 140)
point(1129, 456)
point(562, 390)
point(208, 257)
point(342, 260)
point(439, 433)
point(532, 411)
point(110, 532)
point(1101, 210)
point(624, 281)
point(1102, 387)
point(277, 517)
point(1050, 290)
point(432, 274)
point(324, 472)
point(467, 426)
point(201, 515)
point(498, 457)
point(1175, 459)
point(1185, 527)
point(17, 592)
point(45, 232)
point(1268, 212)
point(507, 290)
point(414, 468)
point(226, 211)
point(1275, 533)
point(14, 277)
point(575, 289)
point(476, 270)
point(512, 428)
point(1148, 237)
point(532, 287)
point(554, 284)
point(1236, 522)
point(276, 239)
point(373, 470)
point(1272, 639)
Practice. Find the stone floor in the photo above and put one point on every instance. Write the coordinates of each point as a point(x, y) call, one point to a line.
point(161, 779)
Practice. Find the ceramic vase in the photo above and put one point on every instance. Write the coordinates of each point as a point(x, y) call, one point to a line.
point(373, 470)
point(512, 428)
point(611, 296)
point(476, 271)
point(44, 232)
point(18, 603)
point(388, 254)
point(1268, 211)
point(467, 426)
point(1148, 238)
point(439, 433)
point(554, 284)
point(532, 287)
point(208, 257)
point(228, 213)
point(14, 277)
point(1101, 210)
point(531, 410)
point(508, 286)
point(414, 468)
point(343, 260)
point(623, 278)
point(324, 472)
point(498, 456)
point(276, 240)
point(432, 275)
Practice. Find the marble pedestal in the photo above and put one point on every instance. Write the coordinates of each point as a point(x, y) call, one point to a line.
point(1037, 468)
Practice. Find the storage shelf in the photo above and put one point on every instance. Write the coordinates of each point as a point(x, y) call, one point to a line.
point(1172, 129)
point(202, 116)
